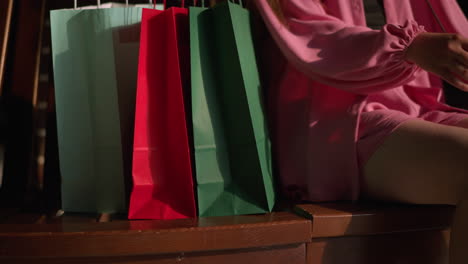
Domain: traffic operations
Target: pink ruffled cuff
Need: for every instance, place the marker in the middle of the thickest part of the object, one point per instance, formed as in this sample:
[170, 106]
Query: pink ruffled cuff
[406, 34]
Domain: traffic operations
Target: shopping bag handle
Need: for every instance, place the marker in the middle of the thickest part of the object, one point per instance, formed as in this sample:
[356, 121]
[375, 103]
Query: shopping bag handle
[75, 3]
[203, 2]
[149, 1]
[165, 6]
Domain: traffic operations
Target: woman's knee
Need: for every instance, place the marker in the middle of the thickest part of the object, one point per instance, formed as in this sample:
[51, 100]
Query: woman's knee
[420, 162]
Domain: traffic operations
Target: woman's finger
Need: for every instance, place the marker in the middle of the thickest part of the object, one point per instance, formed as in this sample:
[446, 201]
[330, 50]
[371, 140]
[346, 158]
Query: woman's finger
[461, 71]
[453, 80]
[462, 57]
[464, 43]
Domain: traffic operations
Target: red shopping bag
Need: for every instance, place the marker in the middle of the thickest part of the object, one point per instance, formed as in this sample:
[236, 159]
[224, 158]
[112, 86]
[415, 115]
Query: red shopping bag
[162, 171]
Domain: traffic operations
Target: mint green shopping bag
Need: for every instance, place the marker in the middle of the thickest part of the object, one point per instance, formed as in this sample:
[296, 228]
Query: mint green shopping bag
[95, 59]
[232, 146]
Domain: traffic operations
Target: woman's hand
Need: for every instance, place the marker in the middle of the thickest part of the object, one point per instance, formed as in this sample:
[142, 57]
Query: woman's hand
[443, 54]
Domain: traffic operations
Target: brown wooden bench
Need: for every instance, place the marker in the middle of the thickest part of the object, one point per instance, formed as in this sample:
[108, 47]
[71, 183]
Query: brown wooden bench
[313, 234]
[377, 233]
[272, 238]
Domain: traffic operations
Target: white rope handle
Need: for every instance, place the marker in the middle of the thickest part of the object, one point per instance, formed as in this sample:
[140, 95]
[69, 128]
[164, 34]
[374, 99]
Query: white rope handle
[75, 3]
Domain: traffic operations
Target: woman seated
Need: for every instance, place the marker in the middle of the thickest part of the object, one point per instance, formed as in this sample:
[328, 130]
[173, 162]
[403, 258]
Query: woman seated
[359, 112]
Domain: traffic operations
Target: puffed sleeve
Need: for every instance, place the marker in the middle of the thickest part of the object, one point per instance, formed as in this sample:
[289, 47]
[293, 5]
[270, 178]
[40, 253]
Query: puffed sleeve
[348, 57]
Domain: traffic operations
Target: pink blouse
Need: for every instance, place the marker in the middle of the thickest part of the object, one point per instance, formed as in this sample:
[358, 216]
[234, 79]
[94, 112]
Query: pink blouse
[330, 69]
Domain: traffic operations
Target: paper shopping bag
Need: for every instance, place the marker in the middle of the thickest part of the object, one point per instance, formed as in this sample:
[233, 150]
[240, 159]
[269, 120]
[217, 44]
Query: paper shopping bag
[232, 146]
[95, 59]
[162, 170]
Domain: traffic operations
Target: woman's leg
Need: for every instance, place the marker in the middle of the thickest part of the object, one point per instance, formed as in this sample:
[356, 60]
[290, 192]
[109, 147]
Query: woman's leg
[425, 163]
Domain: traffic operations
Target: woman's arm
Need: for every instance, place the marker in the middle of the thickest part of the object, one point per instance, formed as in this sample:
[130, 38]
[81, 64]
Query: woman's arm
[348, 57]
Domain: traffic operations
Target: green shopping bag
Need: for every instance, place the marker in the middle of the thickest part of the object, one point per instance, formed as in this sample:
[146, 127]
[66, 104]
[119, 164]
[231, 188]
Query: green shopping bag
[232, 147]
[95, 59]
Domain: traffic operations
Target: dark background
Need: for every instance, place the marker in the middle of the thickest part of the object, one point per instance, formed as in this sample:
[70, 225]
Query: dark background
[454, 96]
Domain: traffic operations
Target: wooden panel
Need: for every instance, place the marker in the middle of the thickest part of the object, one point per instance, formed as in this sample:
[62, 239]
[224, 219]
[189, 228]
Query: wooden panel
[291, 254]
[419, 247]
[69, 239]
[346, 219]
[19, 187]
[6, 10]
[26, 51]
